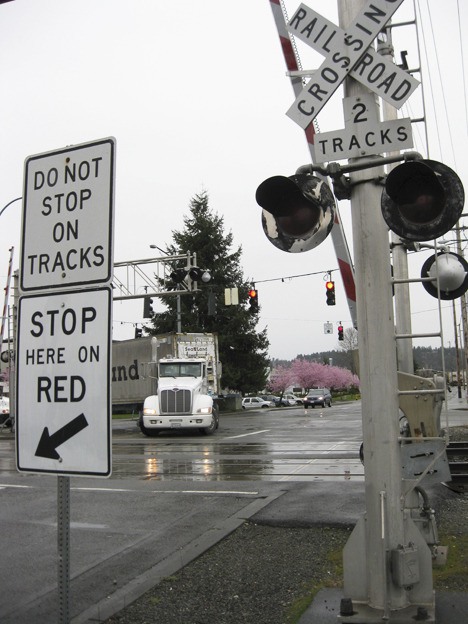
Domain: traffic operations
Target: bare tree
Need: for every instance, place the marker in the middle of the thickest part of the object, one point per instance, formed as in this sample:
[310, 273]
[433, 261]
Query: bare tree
[350, 345]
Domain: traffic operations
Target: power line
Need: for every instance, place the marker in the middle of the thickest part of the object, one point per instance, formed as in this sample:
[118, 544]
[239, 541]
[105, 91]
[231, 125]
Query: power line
[288, 277]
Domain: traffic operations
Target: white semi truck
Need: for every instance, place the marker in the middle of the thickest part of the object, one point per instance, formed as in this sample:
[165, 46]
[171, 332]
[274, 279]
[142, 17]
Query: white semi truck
[188, 379]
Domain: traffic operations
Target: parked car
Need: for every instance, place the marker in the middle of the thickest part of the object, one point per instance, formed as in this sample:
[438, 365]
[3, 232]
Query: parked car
[4, 409]
[290, 399]
[256, 402]
[318, 396]
[270, 397]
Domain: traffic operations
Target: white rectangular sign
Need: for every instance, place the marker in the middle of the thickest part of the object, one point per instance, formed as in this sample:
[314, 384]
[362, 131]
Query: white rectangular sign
[360, 140]
[343, 49]
[67, 229]
[63, 419]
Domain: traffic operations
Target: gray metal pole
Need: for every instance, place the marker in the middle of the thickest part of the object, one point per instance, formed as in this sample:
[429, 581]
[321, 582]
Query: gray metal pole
[399, 256]
[63, 548]
[383, 528]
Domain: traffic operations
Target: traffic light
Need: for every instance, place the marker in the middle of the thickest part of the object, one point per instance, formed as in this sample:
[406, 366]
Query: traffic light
[199, 275]
[138, 332]
[330, 287]
[148, 311]
[253, 300]
[340, 332]
[178, 275]
[211, 304]
[452, 271]
[422, 200]
[298, 211]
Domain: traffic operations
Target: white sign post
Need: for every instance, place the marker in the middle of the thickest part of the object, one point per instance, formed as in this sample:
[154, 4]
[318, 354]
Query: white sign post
[67, 217]
[63, 387]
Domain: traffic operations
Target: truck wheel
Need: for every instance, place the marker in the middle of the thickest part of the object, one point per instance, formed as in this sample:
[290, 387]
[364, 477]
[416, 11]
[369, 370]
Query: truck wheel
[213, 426]
[151, 433]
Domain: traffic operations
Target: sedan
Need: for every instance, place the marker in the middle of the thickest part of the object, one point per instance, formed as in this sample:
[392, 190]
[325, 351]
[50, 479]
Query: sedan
[290, 399]
[256, 402]
[318, 396]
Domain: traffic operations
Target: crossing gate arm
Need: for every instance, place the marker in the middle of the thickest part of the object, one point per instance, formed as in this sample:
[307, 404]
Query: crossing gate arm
[291, 58]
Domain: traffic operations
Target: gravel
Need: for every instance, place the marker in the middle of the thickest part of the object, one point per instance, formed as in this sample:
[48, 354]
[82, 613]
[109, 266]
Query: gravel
[262, 574]
[253, 575]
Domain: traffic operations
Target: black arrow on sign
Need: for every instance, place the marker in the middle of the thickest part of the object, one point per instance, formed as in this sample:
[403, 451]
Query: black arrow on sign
[48, 443]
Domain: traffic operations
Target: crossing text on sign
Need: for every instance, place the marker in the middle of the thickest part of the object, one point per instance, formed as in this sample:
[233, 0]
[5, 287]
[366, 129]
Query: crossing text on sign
[347, 53]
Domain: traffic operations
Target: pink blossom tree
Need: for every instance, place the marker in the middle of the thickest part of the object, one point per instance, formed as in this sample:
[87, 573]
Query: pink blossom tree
[280, 379]
[314, 375]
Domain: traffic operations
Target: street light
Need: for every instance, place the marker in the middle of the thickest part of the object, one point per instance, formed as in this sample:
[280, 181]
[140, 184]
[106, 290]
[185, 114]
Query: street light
[9, 204]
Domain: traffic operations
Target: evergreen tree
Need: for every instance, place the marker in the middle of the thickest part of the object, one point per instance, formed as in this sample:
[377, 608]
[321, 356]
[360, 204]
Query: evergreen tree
[242, 349]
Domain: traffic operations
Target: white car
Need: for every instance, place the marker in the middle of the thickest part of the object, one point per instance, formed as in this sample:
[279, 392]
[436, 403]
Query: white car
[256, 402]
[290, 399]
[4, 409]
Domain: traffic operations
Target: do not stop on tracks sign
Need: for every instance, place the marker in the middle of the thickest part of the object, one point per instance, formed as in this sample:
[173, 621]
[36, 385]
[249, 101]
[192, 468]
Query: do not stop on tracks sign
[67, 217]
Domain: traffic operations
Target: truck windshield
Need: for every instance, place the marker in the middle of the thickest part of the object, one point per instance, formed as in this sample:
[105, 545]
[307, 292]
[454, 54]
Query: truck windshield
[180, 369]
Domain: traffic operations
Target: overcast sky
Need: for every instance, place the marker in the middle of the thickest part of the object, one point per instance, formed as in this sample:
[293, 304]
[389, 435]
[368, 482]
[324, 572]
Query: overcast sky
[195, 94]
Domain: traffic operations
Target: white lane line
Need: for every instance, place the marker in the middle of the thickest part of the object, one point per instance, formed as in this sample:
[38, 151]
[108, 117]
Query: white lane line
[203, 492]
[244, 435]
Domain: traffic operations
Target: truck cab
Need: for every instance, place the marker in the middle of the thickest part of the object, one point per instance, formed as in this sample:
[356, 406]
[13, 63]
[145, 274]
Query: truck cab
[185, 398]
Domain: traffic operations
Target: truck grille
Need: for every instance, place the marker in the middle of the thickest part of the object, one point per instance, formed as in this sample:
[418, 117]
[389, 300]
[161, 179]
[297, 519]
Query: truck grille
[176, 402]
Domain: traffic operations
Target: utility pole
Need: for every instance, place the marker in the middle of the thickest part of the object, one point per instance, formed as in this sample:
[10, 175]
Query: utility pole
[387, 560]
[384, 532]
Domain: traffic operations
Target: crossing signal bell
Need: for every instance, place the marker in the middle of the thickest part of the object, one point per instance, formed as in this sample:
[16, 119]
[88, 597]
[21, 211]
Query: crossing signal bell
[330, 286]
[253, 299]
[449, 273]
[422, 200]
[340, 332]
[298, 211]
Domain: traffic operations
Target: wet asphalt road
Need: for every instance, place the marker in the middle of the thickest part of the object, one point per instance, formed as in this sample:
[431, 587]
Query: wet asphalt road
[279, 444]
[169, 499]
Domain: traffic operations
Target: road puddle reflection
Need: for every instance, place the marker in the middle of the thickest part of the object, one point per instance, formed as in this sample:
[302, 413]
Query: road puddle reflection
[242, 461]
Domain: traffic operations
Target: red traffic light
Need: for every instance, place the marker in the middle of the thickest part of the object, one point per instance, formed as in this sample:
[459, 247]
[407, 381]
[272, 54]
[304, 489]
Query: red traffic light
[253, 299]
[340, 332]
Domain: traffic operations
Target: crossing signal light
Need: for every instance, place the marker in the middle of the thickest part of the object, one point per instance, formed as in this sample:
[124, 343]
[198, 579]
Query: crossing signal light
[253, 299]
[330, 287]
[298, 211]
[422, 200]
[148, 308]
[340, 332]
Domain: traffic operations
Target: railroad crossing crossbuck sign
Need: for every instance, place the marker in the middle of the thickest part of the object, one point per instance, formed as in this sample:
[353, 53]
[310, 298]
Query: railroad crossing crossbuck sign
[347, 53]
